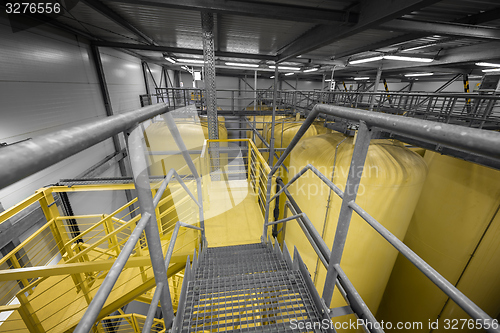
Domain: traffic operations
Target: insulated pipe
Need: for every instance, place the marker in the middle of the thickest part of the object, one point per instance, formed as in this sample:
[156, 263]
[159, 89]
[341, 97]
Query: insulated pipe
[26, 158]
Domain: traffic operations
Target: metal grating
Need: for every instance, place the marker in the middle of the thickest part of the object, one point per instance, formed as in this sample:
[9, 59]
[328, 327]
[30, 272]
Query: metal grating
[249, 303]
[247, 288]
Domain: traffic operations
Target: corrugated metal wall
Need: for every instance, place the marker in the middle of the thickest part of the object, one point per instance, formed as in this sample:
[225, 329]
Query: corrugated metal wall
[47, 82]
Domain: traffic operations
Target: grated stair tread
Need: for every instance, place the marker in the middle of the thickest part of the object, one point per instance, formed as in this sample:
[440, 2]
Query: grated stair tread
[246, 288]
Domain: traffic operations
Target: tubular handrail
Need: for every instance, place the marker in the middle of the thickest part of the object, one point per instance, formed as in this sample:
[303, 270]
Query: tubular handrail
[156, 297]
[172, 173]
[474, 140]
[95, 306]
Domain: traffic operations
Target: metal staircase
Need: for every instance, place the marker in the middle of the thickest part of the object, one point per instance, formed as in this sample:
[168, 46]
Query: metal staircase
[248, 288]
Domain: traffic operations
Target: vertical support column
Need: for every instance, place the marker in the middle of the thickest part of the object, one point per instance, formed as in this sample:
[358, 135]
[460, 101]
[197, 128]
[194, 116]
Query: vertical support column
[143, 188]
[255, 91]
[109, 112]
[375, 86]
[351, 190]
[273, 120]
[207, 26]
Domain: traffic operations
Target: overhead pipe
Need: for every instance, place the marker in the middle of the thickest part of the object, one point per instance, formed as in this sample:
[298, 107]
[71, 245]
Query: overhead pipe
[29, 157]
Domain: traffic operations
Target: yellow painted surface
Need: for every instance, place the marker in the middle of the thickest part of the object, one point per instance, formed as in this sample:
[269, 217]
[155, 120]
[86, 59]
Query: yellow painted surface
[390, 187]
[233, 217]
[193, 132]
[456, 216]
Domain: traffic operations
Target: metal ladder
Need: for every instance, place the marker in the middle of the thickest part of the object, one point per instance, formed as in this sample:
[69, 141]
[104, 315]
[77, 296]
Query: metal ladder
[248, 288]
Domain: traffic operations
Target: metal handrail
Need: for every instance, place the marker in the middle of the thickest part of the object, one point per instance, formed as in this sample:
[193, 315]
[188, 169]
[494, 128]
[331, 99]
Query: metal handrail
[478, 141]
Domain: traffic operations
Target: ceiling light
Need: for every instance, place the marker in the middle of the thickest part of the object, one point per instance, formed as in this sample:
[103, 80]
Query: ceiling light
[241, 65]
[419, 74]
[310, 70]
[362, 78]
[192, 61]
[360, 61]
[287, 68]
[272, 77]
[328, 80]
[169, 59]
[491, 70]
[487, 64]
[404, 58]
[419, 47]
[288, 74]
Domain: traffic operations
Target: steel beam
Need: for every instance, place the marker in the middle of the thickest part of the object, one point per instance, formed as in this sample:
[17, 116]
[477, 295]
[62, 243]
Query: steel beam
[443, 28]
[479, 18]
[373, 13]
[113, 16]
[256, 9]
[144, 47]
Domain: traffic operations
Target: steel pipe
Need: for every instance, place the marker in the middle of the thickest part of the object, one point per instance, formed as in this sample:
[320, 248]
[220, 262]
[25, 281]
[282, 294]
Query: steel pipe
[95, 306]
[148, 323]
[164, 184]
[26, 158]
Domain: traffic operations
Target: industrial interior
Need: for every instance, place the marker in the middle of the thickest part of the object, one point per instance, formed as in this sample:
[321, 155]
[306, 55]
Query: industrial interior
[250, 166]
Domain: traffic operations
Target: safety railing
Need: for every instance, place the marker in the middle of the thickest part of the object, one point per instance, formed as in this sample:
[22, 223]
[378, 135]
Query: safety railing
[128, 323]
[39, 297]
[238, 159]
[466, 109]
[91, 247]
[481, 142]
[137, 150]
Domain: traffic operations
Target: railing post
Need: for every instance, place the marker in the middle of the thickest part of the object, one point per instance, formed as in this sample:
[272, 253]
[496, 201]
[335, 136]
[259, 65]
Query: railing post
[142, 185]
[351, 189]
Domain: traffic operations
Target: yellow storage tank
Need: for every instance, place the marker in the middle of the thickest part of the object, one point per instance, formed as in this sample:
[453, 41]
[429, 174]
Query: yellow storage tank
[455, 228]
[390, 187]
[260, 123]
[193, 132]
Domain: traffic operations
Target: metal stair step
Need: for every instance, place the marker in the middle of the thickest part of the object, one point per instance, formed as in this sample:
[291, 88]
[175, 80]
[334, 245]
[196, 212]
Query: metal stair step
[260, 302]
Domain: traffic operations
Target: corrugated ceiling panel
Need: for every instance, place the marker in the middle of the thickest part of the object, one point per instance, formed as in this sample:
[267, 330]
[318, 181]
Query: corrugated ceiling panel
[84, 18]
[449, 10]
[258, 35]
[167, 26]
[362, 39]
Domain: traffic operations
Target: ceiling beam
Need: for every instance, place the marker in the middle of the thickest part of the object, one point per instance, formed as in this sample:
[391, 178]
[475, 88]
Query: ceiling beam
[442, 28]
[372, 13]
[169, 49]
[479, 18]
[256, 9]
[113, 16]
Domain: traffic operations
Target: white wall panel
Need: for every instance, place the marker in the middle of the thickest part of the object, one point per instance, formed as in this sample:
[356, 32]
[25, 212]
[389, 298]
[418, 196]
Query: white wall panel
[124, 78]
[47, 82]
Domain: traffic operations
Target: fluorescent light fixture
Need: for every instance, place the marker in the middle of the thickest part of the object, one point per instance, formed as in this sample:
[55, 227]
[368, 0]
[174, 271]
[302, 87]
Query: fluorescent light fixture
[310, 70]
[362, 78]
[272, 77]
[287, 68]
[241, 65]
[419, 74]
[288, 74]
[404, 58]
[192, 61]
[360, 61]
[418, 47]
[487, 64]
[491, 70]
[328, 80]
[169, 59]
